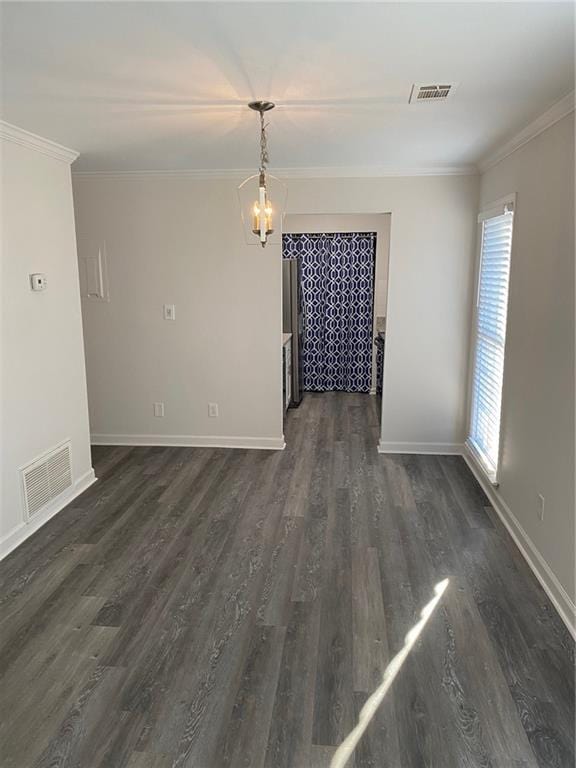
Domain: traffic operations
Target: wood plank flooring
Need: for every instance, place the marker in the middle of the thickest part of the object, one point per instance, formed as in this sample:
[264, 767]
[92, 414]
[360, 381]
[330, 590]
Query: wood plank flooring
[212, 608]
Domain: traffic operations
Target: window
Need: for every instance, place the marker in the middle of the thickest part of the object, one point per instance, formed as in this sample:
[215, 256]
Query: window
[490, 335]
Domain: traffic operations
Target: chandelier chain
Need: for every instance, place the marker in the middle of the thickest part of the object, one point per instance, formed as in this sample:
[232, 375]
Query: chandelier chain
[264, 159]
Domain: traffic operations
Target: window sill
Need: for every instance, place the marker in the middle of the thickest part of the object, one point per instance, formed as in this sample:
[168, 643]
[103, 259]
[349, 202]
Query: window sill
[490, 475]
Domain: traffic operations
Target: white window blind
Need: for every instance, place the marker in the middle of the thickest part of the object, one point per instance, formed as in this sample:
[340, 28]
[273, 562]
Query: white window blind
[490, 338]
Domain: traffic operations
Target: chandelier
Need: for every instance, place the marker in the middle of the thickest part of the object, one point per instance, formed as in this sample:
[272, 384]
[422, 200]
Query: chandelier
[255, 199]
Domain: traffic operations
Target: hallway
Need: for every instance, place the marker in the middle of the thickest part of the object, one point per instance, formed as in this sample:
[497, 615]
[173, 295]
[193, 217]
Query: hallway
[212, 607]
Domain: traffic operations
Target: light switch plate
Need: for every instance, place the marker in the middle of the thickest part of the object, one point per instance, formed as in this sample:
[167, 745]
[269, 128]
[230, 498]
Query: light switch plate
[169, 312]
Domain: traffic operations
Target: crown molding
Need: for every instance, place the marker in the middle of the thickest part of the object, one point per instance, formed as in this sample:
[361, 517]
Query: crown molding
[199, 174]
[556, 112]
[360, 172]
[37, 143]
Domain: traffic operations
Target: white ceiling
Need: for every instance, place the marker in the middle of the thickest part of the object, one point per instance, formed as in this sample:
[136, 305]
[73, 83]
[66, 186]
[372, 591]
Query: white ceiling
[159, 85]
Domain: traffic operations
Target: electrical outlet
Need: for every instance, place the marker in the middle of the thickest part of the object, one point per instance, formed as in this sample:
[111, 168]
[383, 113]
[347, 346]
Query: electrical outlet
[159, 410]
[38, 282]
[169, 312]
[213, 410]
[542, 501]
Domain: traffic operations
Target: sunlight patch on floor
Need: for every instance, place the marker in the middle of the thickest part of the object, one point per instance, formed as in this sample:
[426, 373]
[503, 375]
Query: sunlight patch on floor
[345, 750]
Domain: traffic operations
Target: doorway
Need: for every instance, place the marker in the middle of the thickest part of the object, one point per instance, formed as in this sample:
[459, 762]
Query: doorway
[295, 227]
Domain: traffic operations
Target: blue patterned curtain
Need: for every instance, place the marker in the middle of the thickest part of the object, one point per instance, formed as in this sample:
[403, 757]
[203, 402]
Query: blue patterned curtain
[337, 280]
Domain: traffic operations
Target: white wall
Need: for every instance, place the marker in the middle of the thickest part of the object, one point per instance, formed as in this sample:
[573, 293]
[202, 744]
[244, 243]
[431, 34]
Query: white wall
[432, 242]
[378, 223]
[177, 239]
[43, 378]
[538, 395]
[180, 241]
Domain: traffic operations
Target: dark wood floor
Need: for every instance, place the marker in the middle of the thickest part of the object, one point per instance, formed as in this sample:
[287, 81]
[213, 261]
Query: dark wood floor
[210, 607]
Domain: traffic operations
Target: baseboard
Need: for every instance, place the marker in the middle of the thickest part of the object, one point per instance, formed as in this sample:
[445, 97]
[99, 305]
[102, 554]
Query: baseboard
[192, 441]
[443, 449]
[548, 580]
[19, 534]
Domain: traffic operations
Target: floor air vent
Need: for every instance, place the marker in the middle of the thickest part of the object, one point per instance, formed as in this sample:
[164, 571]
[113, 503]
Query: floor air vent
[46, 478]
[421, 93]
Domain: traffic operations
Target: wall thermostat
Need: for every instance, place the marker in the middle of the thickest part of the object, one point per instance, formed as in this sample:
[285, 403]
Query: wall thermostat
[38, 282]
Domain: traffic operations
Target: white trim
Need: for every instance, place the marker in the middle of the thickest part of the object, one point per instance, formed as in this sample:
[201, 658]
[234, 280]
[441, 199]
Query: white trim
[540, 568]
[556, 112]
[237, 174]
[441, 449]
[192, 441]
[19, 534]
[37, 143]
[498, 207]
[481, 463]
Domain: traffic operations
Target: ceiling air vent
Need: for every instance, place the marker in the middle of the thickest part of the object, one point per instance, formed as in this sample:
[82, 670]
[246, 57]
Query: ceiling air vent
[46, 478]
[422, 93]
